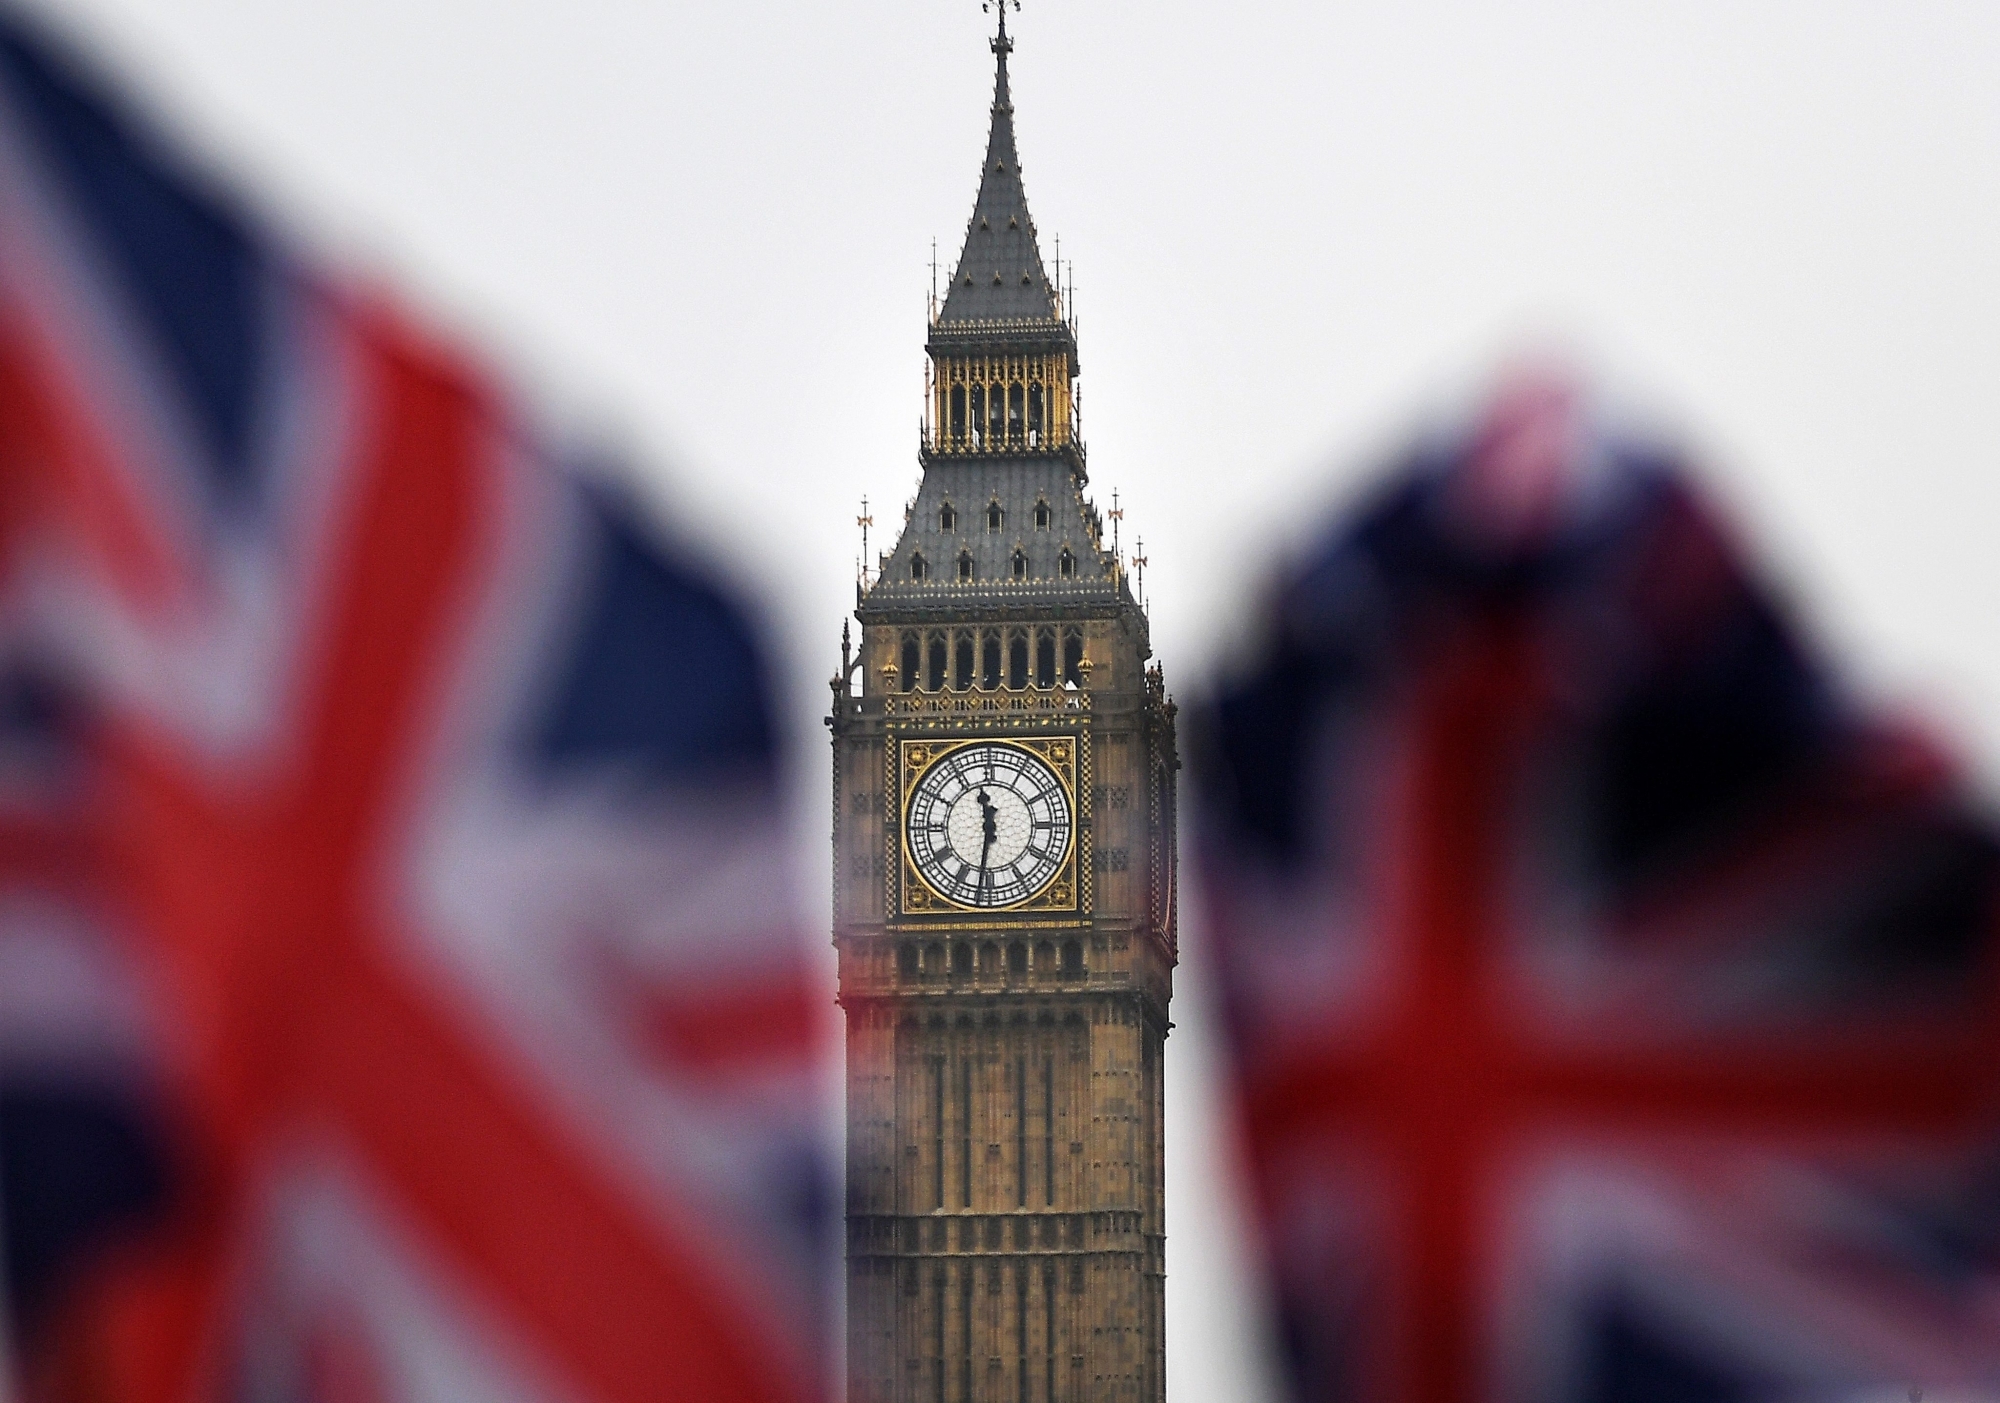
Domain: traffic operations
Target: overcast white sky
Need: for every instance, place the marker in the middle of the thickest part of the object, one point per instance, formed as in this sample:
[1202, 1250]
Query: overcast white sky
[704, 230]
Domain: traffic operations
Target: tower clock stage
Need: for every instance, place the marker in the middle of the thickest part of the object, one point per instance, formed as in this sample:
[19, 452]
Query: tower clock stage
[987, 824]
[1004, 871]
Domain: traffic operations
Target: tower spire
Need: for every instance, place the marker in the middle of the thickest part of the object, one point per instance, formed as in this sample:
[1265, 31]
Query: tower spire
[1002, 46]
[1000, 276]
[1002, 352]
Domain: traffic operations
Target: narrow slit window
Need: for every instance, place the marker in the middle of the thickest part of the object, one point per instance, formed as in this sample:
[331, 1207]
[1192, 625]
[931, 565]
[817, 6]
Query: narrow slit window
[1073, 658]
[978, 398]
[1015, 415]
[1017, 661]
[962, 663]
[958, 412]
[935, 681]
[1049, 1328]
[937, 1145]
[989, 664]
[1025, 1389]
[937, 1290]
[1020, 1131]
[1034, 415]
[965, 1331]
[913, 662]
[996, 410]
[1048, 1136]
[1045, 660]
[965, 1133]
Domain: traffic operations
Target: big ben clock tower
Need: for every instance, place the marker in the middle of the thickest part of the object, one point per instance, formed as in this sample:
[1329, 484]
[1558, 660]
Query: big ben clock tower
[1004, 870]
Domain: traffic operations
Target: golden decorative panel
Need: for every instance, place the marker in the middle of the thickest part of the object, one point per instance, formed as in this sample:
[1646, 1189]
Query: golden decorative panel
[926, 885]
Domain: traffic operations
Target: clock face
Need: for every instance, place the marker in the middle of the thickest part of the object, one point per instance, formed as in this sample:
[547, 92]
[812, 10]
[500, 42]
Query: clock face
[988, 825]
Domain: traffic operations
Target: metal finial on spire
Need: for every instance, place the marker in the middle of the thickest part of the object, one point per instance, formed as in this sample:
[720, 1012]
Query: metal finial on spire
[1001, 43]
[1001, 46]
[864, 521]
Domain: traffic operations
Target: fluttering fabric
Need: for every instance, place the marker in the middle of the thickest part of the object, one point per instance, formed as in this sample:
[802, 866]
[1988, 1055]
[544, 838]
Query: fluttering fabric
[400, 991]
[1612, 999]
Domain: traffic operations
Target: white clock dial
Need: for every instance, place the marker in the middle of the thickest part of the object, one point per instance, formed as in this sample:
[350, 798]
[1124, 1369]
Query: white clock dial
[988, 825]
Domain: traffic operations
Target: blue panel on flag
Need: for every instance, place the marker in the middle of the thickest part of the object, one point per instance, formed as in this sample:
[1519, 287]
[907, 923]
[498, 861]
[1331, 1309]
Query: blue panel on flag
[1633, 1362]
[665, 680]
[77, 1168]
[184, 259]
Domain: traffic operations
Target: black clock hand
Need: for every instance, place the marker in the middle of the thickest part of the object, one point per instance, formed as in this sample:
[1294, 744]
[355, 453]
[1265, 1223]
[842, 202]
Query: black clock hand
[989, 829]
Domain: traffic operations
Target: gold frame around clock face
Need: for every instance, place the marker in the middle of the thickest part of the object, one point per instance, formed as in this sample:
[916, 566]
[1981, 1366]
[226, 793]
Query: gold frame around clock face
[921, 758]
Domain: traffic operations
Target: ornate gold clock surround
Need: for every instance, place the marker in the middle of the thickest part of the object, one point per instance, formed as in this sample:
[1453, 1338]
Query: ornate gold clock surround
[1066, 753]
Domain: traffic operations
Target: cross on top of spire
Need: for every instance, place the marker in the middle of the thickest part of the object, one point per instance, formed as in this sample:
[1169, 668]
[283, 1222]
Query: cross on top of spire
[1001, 43]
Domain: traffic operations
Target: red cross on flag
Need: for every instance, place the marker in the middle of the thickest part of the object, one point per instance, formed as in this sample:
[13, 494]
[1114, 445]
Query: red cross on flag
[401, 996]
[1614, 1007]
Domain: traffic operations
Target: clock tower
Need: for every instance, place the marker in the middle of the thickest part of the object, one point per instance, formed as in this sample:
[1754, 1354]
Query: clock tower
[1004, 873]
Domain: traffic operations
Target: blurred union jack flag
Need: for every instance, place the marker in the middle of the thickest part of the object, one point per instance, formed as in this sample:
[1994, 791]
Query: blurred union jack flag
[1613, 1002]
[400, 991]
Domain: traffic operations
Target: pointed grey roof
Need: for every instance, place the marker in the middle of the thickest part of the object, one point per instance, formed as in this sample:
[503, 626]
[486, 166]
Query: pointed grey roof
[1000, 277]
[1017, 484]
[982, 508]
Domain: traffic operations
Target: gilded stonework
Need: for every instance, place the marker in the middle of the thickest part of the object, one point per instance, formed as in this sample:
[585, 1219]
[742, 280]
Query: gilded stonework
[1005, 1195]
[917, 758]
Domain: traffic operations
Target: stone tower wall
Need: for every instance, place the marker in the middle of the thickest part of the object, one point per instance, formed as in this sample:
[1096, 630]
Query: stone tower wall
[1005, 1184]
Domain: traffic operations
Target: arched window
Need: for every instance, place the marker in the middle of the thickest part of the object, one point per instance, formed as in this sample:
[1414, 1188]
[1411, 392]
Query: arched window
[913, 662]
[978, 397]
[958, 412]
[1014, 413]
[1042, 515]
[965, 565]
[1034, 415]
[996, 410]
[989, 664]
[1020, 565]
[935, 682]
[918, 569]
[995, 517]
[1073, 657]
[1017, 660]
[947, 517]
[1066, 564]
[962, 664]
[1045, 659]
